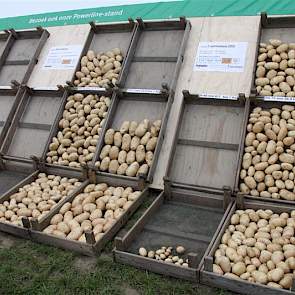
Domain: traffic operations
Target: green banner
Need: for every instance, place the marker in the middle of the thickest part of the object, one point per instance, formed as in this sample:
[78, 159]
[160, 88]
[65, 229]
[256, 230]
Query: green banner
[149, 11]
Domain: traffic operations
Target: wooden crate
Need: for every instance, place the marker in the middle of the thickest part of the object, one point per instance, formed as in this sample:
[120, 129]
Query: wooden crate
[267, 103]
[15, 175]
[91, 247]
[19, 53]
[197, 190]
[273, 27]
[59, 114]
[155, 55]
[31, 125]
[136, 106]
[9, 101]
[105, 37]
[209, 278]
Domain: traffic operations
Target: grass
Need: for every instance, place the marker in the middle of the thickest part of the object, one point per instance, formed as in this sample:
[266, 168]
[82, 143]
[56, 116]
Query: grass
[30, 268]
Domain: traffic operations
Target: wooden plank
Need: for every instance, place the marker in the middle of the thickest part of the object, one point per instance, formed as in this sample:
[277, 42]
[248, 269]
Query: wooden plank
[59, 36]
[15, 230]
[209, 144]
[239, 286]
[209, 29]
[155, 266]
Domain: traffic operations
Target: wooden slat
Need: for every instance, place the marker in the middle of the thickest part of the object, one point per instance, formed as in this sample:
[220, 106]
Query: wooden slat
[156, 266]
[209, 144]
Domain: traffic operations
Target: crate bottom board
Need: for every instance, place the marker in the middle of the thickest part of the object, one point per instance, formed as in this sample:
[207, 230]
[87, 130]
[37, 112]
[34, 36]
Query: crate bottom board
[178, 223]
[9, 179]
[239, 286]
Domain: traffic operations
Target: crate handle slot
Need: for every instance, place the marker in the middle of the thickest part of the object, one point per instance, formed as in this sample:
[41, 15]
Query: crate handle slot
[90, 238]
[26, 222]
[119, 245]
[208, 263]
[192, 260]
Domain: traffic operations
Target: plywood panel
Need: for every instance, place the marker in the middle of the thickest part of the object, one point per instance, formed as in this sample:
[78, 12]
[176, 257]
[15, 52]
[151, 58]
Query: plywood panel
[209, 29]
[149, 74]
[284, 34]
[9, 179]
[41, 110]
[9, 73]
[204, 166]
[23, 49]
[140, 110]
[6, 103]
[28, 142]
[103, 42]
[159, 43]
[59, 36]
[212, 123]
[226, 29]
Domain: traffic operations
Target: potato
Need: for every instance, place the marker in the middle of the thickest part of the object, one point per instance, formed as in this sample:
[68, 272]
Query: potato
[151, 144]
[57, 218]
[75, 233]
[109, 136]
[126, 141]
[124, 127]
[132, 169]
[63, 227]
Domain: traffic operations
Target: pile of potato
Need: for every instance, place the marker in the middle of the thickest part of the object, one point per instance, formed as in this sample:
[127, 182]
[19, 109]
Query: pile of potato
[275, 73]
[80, 126]
[166, 254]
[129, 151]
[258, 246]
[97, 209]
[268, 162]
[37, 198]
[100, 70]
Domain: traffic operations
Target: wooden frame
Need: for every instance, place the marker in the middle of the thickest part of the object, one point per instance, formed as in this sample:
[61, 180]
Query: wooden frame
[250, 104]
[28, 116]
[143, 103]
[91, 247]
[55, 126]
[145, 52]
[12, 38]
[104, 31]
[282, 24]
[207, 276]
[124, 251]
[24, 231]
[217, 137]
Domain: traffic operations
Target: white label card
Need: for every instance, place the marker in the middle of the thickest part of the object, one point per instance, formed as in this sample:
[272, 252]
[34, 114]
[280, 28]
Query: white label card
[63, 57]
[221, 57]
[150, 91]
[217, 96]
[279, 98]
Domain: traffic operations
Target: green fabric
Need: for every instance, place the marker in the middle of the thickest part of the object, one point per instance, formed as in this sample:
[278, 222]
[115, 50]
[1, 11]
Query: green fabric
[163, 10]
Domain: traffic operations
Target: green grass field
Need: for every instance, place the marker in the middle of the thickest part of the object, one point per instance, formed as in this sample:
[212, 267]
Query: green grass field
[30, 268]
